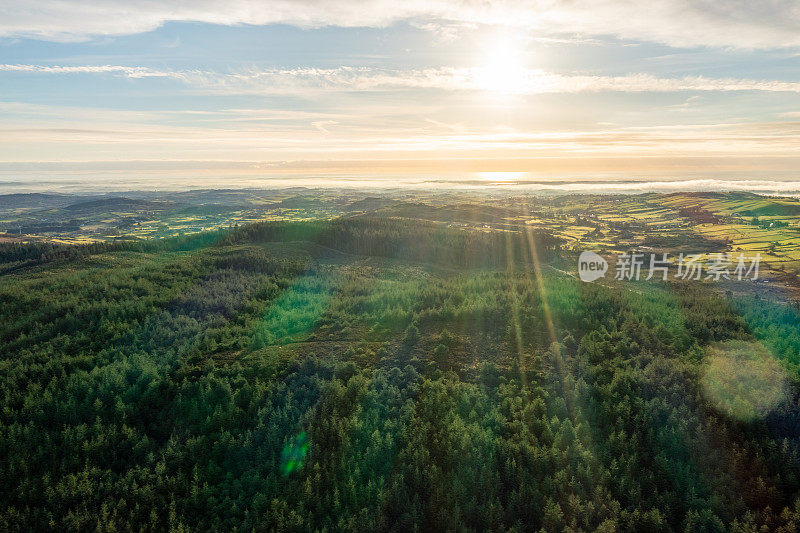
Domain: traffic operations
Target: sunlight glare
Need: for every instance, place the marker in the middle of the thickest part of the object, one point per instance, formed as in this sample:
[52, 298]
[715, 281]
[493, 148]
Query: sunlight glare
[503, 69]
[501, 177]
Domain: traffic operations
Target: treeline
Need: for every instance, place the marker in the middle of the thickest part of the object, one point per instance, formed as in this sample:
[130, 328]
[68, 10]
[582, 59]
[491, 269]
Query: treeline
[407, 239]
[15, 255]
[412, 240]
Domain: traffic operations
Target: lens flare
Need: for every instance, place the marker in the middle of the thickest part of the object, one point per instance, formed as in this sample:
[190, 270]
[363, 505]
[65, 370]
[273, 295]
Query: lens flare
[294, 454]
[743, 380]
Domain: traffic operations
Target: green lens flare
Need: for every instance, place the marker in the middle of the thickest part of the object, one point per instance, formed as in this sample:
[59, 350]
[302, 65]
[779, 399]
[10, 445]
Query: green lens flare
[294, 454]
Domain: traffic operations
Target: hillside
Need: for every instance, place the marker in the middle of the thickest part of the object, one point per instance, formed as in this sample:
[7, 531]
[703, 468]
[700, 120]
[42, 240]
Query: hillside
[373, 374]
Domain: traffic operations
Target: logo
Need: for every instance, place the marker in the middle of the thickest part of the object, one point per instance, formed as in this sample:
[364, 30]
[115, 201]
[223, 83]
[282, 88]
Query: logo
[591, 266]
[635, 266]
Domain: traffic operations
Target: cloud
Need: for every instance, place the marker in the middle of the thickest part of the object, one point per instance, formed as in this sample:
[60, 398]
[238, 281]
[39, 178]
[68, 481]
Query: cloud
[321, 125]
[130, 72]
[354, 79]
[681, 23]
[375, 136]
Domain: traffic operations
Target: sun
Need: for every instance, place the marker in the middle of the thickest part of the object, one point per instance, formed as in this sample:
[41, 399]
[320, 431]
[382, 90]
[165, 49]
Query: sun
[502, 70]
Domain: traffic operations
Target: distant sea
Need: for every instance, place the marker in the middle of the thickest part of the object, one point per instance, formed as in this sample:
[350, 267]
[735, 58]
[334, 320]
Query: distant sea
[71, 182]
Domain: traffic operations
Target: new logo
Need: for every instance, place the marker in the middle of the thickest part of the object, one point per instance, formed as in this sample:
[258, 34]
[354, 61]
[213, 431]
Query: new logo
[591, 266]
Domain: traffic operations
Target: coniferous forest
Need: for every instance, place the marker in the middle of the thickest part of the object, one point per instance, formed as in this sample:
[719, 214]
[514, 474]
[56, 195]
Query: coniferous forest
[385, 374]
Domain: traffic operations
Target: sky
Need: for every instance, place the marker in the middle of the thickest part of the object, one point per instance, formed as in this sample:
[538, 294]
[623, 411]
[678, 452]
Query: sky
[198, 93]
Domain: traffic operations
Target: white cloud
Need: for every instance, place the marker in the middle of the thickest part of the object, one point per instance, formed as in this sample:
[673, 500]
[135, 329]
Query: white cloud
[353, 79]
[716, 23]
[322, 125]
[130, 72]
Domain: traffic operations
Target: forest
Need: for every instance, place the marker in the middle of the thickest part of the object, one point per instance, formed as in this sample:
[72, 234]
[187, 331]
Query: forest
[380, 374]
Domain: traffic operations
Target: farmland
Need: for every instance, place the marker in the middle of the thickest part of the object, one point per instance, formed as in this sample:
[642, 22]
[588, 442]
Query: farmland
[704, 223]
